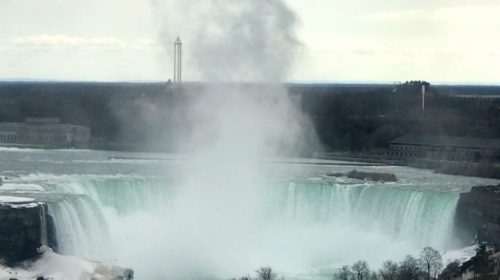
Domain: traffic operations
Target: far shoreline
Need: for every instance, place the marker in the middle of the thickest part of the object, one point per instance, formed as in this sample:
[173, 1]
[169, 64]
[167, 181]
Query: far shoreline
[489, 170]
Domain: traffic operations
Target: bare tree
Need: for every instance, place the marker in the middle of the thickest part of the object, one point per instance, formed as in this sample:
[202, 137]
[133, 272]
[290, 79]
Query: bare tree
[266, 273]
[409, 269]
[242, 278]
[345, 273]
[389, 270]
[451, 271]
[361, 270]
[431, 262]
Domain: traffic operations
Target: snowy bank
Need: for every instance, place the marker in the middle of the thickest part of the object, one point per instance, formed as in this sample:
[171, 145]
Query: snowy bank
[57, 267]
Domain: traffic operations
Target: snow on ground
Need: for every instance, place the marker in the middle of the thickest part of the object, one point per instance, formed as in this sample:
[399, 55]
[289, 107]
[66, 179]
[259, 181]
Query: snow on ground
[18, 202]
[461, 255]
[15, 199]
[57, 267]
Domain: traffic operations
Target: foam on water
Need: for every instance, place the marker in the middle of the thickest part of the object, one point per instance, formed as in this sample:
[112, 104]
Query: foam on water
[80, 227]
[422, 217]
[305, 228]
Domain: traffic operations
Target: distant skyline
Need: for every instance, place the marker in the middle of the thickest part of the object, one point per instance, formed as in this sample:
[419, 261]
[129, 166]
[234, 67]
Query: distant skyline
[441, 41]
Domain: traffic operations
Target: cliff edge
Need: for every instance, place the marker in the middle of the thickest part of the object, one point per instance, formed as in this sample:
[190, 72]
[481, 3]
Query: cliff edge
[26, 232]
[478, 215]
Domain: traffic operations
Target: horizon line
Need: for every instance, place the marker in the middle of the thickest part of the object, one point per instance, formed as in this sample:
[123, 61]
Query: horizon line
[319, 82]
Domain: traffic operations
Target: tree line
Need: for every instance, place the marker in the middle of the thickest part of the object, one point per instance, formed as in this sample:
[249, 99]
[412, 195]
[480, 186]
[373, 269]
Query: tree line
[427, 266]
[346, 117]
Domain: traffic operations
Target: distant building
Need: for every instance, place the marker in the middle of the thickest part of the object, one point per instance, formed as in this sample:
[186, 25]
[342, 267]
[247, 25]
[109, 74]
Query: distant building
[444, 147]
[44, 133]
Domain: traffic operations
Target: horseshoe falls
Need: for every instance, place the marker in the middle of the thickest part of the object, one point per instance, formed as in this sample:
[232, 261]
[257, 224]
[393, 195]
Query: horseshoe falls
[292, 217]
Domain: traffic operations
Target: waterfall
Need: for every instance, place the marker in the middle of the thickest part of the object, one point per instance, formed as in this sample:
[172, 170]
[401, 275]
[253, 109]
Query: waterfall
[307, 224]
[87, 205]
[422, 217]
[124, 194]
[43, 224]
[403, 213]
[291, 202]
[81, 227]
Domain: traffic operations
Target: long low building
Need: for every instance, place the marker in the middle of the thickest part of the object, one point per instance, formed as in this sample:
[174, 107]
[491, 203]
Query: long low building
[444, 147]
[44, 133]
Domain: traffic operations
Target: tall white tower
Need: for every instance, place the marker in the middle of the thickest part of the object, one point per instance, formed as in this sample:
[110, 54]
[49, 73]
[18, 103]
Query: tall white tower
[423, 97]
[178, 61]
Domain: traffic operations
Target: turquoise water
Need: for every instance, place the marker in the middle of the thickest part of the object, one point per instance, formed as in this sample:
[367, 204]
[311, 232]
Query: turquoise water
[170, 219]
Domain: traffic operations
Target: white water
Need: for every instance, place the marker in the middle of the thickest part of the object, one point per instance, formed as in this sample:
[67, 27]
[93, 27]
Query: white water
[221, 215]
[303, 226]
[80, 227]
[424, 218]
[309, 226]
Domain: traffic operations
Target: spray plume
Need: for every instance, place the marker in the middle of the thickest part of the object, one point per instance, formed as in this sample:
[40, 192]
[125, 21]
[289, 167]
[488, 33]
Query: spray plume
[239, 117]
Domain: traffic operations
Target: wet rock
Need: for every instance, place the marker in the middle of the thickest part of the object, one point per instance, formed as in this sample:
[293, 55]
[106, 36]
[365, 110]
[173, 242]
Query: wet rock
[25, 231]
[20, 228]
[478, 215]
[372, 176]
[336, 174]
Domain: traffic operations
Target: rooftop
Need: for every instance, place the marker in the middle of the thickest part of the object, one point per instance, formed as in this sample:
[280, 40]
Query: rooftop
[43, 120]
[441, 140]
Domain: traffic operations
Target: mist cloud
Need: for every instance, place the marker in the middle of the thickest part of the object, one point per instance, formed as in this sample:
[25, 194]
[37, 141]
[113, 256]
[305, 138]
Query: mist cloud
[229, 40]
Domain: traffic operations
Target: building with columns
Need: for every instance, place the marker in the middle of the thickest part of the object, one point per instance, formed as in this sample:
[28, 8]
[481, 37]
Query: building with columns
[44, 133]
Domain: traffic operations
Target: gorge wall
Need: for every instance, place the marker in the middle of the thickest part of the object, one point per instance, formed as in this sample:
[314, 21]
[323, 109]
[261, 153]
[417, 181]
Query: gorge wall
[478, 214]
[21, 229]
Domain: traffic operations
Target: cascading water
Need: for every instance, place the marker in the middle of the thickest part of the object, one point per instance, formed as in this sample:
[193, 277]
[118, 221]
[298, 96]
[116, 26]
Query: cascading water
[81, 228]
[124, 194]
[305, 222]
[220, 216]
[220, 221]
[422, 217]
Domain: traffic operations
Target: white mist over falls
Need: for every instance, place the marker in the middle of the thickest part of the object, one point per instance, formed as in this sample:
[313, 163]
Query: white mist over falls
[234, 203]
[185, 218]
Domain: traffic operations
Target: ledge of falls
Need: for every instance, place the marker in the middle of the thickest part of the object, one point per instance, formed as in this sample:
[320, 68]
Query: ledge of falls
[20, 228]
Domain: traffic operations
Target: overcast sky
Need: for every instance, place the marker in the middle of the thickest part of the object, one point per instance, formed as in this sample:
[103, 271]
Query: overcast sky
[454, 41]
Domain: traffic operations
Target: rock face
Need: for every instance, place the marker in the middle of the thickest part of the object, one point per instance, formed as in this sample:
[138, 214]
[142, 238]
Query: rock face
[27, 232]
[20, 228]
[478, 213]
